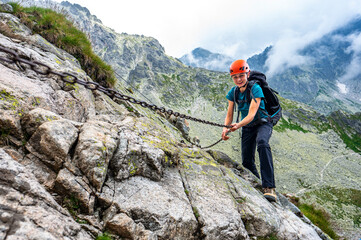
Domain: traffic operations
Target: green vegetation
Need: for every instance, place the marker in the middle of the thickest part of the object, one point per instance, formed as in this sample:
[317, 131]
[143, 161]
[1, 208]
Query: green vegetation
[283, 124]
[349, 136]
[12, 103]
[304, 115]
[271, 237]
[104, 236]
[319, 217]
[195, 211]
[338, 197]
[56, 29]
[344, 204]
[72, 204]
[4, 136]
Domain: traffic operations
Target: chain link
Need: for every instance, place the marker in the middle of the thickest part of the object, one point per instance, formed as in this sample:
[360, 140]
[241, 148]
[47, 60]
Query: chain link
[44, 69]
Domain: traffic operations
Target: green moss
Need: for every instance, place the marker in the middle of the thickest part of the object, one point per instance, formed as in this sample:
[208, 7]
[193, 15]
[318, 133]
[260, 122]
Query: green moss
[56, 29]
[132, 168]
[36, 101]
[195, 211]
[12, 104]
[240, 200]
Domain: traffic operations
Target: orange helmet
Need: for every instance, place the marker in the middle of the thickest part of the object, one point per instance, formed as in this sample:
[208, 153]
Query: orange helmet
[239, 66]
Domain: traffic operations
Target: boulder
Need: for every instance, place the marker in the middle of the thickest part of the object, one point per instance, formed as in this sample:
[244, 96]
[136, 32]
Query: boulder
[96, 144]
[27, 210]
[52, 142]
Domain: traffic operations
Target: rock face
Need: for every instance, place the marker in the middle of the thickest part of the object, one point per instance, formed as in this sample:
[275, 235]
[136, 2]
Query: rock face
[27, 210]
[74, 164]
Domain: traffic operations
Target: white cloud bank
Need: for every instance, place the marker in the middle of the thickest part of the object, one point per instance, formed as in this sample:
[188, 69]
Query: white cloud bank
[237, 28]
[354, 68]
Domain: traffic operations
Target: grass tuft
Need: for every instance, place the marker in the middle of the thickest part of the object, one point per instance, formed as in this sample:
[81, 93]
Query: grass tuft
[319, 217]
[56, 29]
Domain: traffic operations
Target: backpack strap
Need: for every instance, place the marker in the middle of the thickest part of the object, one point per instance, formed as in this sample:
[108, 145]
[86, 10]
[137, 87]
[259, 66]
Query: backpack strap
[250, 96]
[235, 106]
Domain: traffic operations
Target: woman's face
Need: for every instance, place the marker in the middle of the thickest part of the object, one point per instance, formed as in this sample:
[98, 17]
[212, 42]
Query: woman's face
[240, 79]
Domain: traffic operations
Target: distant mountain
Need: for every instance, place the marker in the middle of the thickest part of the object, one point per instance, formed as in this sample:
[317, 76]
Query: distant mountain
[203, 58]
[329, 81]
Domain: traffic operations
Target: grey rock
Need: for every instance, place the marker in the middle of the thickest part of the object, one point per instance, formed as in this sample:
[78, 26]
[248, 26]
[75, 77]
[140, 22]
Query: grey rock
[135, 157]
[181, 124]
[223, 159]
[96, 145]
[10, 128]
[161, 207]
[292, 227]
[73, 186]
[125, 227]
[33, 119]
[212, 203]
[27, 210]
[258, 215]
[45, 175]
[6, 7]
[53, 140]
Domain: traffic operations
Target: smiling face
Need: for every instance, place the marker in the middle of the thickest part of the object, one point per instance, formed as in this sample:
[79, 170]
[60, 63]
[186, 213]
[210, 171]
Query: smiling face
[240, 79]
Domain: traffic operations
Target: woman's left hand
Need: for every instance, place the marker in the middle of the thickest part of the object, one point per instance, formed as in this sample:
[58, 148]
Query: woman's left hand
[235, 126]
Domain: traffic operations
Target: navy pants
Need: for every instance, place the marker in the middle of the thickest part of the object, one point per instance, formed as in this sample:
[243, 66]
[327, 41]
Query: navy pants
[258, 136]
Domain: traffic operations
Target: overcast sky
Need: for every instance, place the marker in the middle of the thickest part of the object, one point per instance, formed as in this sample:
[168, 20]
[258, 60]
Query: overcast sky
[237, 28]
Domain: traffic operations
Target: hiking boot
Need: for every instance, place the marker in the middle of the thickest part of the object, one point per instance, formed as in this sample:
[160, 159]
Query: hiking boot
[270, 194]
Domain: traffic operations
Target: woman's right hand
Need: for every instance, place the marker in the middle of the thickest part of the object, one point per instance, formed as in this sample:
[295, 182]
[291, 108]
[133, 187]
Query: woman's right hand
[224, 134]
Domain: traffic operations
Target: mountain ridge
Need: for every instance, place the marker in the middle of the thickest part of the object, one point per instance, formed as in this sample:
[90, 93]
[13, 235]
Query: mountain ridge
[150, 70]
[75, 164]
[320, 82]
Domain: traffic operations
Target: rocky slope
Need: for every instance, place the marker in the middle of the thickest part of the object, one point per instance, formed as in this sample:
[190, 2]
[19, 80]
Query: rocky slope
[126, 172]
[200, 93]
[310, 157]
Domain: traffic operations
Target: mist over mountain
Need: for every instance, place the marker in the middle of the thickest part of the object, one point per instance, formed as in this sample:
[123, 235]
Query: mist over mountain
[327, 76]
[203, 58]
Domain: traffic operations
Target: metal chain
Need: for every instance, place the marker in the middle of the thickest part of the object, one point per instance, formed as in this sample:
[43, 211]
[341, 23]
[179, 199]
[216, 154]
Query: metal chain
[44, 69]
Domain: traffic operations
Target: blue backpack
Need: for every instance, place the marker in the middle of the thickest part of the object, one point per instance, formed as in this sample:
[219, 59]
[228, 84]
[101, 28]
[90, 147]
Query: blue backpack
[272, 104]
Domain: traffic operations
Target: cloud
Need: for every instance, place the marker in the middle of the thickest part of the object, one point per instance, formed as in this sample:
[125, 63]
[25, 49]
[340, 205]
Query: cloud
[237, 28]
[219, 63]
[353, 70]
[286, 51]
